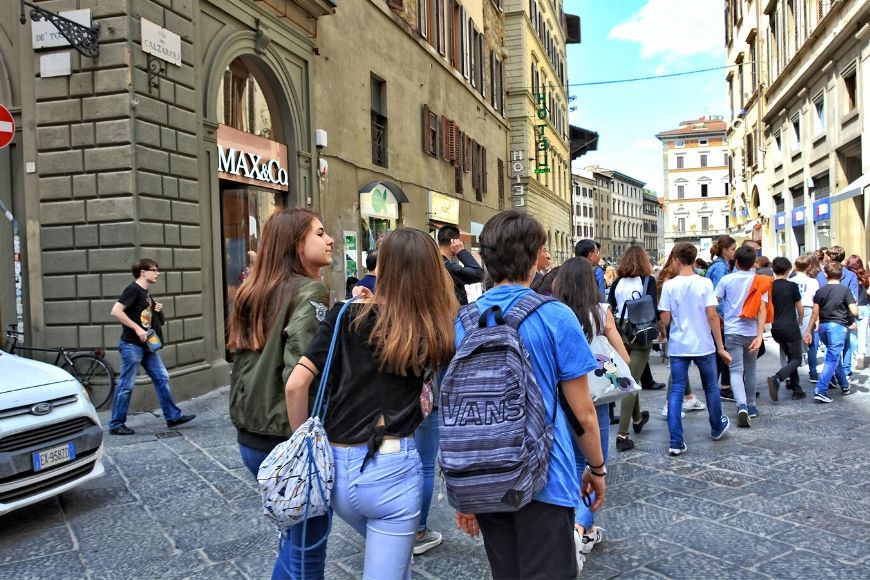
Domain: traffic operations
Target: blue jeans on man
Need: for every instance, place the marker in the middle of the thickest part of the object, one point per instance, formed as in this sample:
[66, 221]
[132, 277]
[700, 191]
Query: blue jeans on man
[679, 377]
[294, 545]
[742, 367]
[132, 356]
[834, 337]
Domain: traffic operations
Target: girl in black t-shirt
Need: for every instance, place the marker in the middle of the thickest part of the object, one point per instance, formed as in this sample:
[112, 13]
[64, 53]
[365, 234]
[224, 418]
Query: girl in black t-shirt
[385, 344]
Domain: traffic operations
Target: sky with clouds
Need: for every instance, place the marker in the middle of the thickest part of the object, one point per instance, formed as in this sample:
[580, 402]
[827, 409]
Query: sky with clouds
[624, 39]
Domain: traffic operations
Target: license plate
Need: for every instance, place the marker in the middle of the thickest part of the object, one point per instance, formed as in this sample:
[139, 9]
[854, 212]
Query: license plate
[53, 456]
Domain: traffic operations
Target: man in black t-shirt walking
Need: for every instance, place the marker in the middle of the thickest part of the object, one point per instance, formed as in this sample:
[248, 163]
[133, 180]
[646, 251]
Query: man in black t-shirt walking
[136, 311]
[834, 307]
[788, 314]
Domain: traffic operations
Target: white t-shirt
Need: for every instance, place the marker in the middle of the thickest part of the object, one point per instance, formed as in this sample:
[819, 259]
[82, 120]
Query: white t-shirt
[808, 287]
[687, 299]
[732, 291]
[625, 290]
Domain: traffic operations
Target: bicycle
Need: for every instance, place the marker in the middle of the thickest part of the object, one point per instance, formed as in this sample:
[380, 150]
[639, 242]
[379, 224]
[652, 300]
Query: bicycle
[87, 365]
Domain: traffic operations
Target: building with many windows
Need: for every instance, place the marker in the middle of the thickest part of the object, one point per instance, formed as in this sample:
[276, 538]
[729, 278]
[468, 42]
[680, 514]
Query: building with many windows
[653, 221]
[695, 158]
[536, 32]
[816, 125]
[425, 141]
[584, 206]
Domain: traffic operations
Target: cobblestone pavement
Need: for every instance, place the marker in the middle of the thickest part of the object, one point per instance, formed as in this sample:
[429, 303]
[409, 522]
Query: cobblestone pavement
[787, 498]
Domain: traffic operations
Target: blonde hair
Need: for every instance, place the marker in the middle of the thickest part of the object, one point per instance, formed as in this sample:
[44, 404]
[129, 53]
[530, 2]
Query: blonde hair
[610, 276]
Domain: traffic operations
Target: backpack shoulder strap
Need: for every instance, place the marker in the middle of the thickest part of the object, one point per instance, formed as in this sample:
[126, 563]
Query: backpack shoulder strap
[527, 304]
[469, 316]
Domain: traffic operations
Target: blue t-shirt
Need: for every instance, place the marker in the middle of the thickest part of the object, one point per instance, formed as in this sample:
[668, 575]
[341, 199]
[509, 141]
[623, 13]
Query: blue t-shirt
[599, 277]
[559, 352]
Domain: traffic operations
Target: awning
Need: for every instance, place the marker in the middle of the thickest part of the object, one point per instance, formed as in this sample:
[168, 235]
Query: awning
[582, 141]
[392, 187]
[854, 189]
[750, 225]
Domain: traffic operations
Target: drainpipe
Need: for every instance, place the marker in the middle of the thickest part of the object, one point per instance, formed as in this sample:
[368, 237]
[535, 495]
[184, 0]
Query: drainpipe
[16, 251]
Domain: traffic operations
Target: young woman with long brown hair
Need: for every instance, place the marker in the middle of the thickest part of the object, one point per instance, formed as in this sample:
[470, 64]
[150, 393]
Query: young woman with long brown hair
[275, 315]
[575, 286]
[386, 343]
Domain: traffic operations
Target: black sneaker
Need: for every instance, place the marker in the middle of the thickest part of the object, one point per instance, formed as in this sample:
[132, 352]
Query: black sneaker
[638, 427]
[624, 443]
[743, 417]
[180, 421]
[727, 394]
[847, 390]
[798, 393]
[655, 386]
[122, 430]
[822, 398]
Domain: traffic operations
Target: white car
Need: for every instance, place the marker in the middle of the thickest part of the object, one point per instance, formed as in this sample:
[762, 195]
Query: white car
[50, 436]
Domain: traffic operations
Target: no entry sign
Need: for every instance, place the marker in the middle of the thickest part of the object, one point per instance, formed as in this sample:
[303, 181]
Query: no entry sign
[7, 127]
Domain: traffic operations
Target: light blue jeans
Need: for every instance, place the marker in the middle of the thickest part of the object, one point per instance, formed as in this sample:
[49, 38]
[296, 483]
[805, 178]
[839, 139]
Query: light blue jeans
[381, 501]
[834, 337]
[426, 438]
[742, 368]
[294, 546]
[584, 515]
[131, 357]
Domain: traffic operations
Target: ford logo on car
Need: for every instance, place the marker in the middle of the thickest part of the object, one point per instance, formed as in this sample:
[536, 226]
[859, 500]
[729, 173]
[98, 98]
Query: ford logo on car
[41, 409]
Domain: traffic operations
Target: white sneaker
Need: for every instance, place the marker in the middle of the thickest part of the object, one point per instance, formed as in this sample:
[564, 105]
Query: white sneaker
[665, 412]
[578, 546]
[693, 404]
[589, 540]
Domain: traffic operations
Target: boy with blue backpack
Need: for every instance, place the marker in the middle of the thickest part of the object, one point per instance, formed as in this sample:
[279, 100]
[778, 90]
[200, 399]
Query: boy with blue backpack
[506, 444]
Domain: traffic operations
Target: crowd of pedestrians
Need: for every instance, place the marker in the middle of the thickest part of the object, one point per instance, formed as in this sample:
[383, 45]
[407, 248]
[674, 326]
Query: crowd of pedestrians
[401, 397]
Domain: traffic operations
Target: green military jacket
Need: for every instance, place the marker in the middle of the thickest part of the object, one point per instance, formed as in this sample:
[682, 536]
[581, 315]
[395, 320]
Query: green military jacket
[257, 404]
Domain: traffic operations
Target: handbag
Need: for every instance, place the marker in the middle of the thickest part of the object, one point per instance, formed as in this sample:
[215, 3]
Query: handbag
[612, 380]
[296, 478]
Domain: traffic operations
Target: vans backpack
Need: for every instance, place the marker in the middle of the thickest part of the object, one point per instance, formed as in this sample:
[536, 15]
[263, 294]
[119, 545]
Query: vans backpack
[495, 438]
[637, 321]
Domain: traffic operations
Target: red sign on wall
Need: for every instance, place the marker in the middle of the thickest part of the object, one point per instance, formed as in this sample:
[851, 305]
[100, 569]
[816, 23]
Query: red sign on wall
[7, 127]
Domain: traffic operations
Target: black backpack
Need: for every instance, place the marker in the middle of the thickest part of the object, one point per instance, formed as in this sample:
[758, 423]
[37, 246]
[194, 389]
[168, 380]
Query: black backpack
[637, 321]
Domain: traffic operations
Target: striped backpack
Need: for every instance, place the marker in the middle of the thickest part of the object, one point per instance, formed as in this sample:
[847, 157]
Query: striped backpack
[495, 437]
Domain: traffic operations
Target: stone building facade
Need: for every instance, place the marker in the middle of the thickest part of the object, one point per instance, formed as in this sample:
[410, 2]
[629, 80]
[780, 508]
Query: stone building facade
[131, 155]
[653, 242]
[537, 112]
[584, 206]
[419, 141]
[695, 158]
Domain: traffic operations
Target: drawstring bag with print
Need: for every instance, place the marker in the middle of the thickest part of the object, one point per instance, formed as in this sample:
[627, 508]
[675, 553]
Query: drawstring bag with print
[296, 478]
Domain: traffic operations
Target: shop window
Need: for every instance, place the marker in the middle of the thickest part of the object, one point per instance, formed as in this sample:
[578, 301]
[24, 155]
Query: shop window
[379, 121]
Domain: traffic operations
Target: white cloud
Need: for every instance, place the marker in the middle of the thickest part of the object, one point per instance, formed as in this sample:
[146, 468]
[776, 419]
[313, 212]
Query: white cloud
[675, 28]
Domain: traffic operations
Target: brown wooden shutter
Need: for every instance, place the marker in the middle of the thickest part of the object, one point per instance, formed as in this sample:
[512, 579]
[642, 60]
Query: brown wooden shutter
[457, 178]
[445, 139]
[483, 169]
[501, 184]
[457, 145]
[466, 150]
[427, 140]
[475, 168]
[228, 97]
[396, 4]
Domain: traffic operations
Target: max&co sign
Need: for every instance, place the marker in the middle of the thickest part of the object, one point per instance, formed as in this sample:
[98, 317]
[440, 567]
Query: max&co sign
[250, 159]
